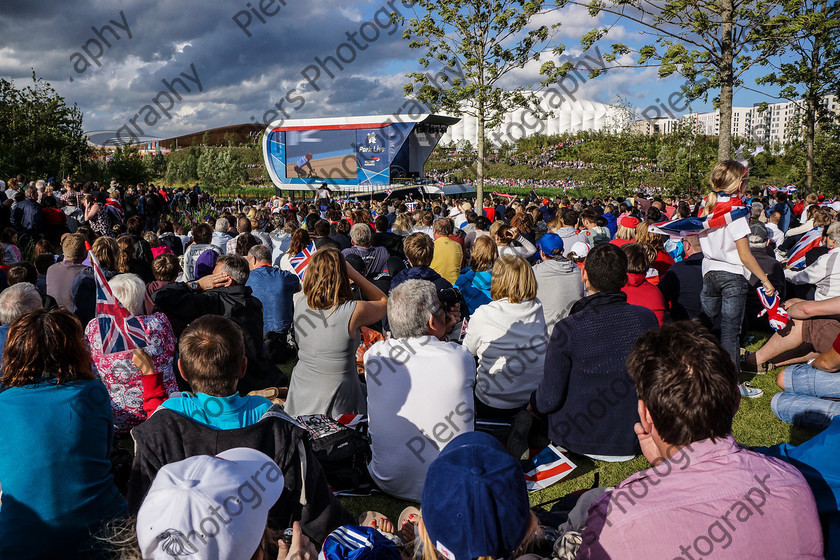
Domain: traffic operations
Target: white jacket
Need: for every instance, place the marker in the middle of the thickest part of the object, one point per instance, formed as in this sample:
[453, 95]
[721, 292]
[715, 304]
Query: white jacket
[824, 272]
[510, 341]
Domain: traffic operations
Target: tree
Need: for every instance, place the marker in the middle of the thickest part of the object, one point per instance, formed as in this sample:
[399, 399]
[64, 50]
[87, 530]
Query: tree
[711, 43]
[40, 135]
[221, 167]
[479, 42]
[182, 166]
[127, 166]
[814, 70]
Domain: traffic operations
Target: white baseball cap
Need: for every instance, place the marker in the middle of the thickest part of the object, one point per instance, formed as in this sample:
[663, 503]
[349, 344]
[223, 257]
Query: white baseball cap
[208, 507]
[580, 249]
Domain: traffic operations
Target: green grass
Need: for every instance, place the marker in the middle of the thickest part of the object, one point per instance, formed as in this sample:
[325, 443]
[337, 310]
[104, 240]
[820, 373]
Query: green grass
[754, 425]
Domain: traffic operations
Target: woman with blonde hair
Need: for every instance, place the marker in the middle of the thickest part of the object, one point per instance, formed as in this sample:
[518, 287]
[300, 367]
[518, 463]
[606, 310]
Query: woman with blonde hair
[663, 260]
[727, 261]
[474, 281]
[508, 337]
[327, 321]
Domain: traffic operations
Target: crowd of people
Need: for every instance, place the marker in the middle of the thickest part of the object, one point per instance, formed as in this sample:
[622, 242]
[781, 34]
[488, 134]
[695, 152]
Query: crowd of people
[456, 337]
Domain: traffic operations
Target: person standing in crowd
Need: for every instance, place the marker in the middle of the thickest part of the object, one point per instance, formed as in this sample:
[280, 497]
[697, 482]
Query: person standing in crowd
[727, 261]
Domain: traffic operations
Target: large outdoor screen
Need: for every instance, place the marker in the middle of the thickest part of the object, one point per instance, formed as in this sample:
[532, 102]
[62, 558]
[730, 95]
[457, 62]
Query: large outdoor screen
[321, 154]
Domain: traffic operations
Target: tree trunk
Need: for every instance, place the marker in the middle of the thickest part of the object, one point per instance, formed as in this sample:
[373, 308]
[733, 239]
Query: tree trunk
[810, 140]
[479, 184]
[726, 81]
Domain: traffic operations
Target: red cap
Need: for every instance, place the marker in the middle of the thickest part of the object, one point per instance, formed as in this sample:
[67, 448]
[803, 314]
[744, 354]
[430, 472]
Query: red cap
[629, 222]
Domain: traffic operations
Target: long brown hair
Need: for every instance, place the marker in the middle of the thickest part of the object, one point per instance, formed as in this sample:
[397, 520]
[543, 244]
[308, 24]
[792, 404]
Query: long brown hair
[326, 283]
[45, 344]
[299, 241]
[125, 244]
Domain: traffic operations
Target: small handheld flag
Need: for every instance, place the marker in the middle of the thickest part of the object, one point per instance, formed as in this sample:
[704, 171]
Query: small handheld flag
[300, 261]
[119, 330]
[776, 314]
[549, 467]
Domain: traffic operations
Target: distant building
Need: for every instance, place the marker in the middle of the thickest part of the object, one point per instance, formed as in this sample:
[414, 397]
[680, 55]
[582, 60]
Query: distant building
[778, 123]
[560, 115]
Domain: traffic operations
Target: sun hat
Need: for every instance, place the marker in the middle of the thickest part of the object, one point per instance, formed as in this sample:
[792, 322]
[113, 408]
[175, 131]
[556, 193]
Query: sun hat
[207, 507]
[474, 500]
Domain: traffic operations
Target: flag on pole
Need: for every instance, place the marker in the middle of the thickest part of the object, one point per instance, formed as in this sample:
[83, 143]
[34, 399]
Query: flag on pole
[796, 258]
[300, 261]
[549, 467]
[119, 330]
[726, 210]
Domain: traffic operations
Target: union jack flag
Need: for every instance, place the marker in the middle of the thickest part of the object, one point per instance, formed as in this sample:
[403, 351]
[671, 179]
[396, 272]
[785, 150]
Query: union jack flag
[119, 330]
[300, 261]
[796, 258]
[726, 210]
[389, 191]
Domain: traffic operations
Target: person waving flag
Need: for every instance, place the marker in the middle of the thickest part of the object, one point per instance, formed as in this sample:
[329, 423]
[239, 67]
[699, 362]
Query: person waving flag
[300, 261]
[119, 330]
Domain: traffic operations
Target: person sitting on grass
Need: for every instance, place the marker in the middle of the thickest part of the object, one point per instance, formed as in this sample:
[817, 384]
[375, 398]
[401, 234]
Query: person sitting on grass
[586, 395]
[416, 386]
[703, 489]
[56, 440]
[419, 253]
[215, 418]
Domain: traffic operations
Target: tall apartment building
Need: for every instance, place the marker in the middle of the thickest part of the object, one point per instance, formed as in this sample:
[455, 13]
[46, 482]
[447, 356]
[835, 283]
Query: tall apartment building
[778, 123]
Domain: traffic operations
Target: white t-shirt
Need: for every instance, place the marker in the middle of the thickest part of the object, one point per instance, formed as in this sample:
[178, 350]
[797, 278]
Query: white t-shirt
[420, 396]
[719, 252]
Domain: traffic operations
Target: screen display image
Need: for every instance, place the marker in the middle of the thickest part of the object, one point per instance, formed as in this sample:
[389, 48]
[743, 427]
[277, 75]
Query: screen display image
[321, 154]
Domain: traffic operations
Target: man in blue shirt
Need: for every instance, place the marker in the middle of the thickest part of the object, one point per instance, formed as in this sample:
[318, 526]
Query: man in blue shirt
[274, 288]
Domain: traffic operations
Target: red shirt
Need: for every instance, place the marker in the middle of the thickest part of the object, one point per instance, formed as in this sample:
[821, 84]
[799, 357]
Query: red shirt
[641, 292]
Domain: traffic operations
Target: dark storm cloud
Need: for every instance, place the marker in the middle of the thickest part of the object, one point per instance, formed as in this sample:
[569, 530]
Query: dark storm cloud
[240, 75]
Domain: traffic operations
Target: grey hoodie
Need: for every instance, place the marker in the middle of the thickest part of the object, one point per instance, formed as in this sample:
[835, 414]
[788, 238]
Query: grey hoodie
[559, 286]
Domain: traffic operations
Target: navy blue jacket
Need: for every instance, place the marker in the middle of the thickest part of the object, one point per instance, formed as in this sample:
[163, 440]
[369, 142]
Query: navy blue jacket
[681, 287]
[586, 392]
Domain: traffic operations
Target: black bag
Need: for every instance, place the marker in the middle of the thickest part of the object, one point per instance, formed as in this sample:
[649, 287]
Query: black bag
[344, 453]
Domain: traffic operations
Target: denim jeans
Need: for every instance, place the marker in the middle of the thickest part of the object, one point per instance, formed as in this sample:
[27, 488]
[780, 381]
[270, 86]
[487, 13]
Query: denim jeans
[725, 294]
[805, 401]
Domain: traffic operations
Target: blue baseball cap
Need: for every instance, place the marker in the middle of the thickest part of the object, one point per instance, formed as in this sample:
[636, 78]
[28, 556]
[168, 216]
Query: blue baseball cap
[551, 244]
[474, 500]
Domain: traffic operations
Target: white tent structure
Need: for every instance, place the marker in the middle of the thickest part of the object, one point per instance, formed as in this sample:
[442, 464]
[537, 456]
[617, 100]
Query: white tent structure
[561, 115]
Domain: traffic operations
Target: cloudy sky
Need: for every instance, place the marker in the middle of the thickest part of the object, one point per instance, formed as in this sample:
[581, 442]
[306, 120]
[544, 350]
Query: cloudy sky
[236, 62]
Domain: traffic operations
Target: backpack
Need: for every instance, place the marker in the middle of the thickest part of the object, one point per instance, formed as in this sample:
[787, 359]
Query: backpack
[344, 453]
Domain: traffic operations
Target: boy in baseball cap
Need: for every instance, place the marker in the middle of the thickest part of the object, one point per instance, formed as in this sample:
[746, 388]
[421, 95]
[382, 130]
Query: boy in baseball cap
[207, 507]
